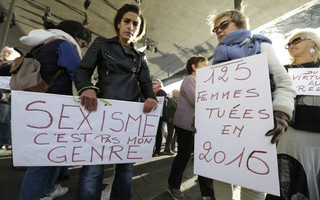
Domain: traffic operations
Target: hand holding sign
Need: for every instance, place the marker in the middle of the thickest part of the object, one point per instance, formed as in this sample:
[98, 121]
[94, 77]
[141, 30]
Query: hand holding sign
[281, 125]
[89, 99]
[149, 105]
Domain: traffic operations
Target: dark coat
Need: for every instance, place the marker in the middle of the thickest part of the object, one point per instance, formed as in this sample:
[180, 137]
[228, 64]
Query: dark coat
[171, 107]
[162, 93]
[121, 75]
[5, 69]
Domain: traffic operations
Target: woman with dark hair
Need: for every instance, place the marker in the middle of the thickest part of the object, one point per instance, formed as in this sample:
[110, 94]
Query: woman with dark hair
[73, 28]
[61, 53]
[231, 28]
[76, 30]
[123, 74]
[183, 122]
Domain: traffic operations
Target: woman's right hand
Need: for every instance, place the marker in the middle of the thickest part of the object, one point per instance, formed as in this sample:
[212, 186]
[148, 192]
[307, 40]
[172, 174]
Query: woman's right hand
[149, 105]
[89, 99]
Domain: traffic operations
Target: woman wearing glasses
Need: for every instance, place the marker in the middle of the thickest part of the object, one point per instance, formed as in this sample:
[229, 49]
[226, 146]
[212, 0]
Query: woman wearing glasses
[236, 41]
[299, 148]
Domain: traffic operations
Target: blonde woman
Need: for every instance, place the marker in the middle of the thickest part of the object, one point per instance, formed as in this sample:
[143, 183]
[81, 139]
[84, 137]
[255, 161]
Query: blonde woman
[299, 148]
[231, 29]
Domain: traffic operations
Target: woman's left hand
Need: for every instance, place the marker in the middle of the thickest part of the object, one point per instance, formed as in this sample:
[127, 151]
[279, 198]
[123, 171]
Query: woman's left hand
[280, 126]
[149, 105]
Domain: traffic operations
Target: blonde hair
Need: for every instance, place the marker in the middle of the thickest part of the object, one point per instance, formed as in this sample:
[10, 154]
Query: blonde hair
[13, 54]
[174, 91]
[158, 81]
[237, 16]
[311, 34]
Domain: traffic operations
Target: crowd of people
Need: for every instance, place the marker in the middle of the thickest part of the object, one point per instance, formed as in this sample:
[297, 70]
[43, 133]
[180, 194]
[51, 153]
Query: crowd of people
[123, 74]
[7, 55]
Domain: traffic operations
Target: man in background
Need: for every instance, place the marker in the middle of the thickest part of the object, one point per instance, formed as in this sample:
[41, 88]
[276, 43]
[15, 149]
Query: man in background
[171, 109]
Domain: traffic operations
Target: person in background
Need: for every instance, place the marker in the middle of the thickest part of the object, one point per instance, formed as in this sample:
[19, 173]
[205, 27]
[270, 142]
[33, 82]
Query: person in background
[231, 28]
[123, 74]
[13, 20]
[7, 55]
[86, 4]
[85, 21]
[183, 122]
[63, 52]
[157, 89]
[3, 17]
[47, 15]
[299, 149]
[171, 109]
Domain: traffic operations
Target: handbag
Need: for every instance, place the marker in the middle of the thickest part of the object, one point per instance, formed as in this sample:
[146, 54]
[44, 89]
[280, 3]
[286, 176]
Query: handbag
[306, 118]
[26, 71]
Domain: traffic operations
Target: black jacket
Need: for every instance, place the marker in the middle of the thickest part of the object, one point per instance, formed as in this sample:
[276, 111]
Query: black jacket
[171, 107]
[162, 93]
[121, 75]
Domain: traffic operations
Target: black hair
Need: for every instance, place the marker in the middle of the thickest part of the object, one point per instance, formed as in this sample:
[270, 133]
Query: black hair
[130, 8]
[194, 60]
[73, 28]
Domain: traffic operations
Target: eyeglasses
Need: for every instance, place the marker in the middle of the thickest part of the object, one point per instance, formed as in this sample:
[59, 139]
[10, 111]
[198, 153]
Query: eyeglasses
[295, 41]
[223, 26]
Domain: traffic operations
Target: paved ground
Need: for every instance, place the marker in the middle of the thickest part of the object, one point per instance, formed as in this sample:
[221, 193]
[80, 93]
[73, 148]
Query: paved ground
[149, 181]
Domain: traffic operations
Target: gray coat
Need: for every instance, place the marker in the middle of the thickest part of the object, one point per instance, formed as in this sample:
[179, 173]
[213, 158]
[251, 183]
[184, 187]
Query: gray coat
[183, 117]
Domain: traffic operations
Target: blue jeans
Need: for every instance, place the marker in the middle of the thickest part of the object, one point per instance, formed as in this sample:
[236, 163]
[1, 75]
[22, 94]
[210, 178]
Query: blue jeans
[91, 177]
[5, 127]
[38, 181]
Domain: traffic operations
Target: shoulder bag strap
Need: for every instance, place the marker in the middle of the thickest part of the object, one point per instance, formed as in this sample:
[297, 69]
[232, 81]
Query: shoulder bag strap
[44, 86]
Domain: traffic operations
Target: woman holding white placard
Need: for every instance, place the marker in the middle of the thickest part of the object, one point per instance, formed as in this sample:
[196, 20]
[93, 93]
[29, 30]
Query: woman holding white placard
[236, 41]
[299, 149]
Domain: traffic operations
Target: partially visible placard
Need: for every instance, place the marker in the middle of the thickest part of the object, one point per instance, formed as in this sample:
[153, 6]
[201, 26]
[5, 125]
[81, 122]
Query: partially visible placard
[5, 82]
[306, 81]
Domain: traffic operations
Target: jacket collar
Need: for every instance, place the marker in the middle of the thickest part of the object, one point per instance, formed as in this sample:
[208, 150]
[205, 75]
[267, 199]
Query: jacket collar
[116, 40]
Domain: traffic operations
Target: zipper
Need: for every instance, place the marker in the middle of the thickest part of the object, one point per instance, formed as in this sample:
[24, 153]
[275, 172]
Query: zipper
[106, 54]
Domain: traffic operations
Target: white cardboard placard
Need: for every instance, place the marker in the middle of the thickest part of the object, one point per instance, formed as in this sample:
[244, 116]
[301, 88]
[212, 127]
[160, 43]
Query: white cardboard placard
[5, 82]
[52, 130]
[233, 114]
[305, 81]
